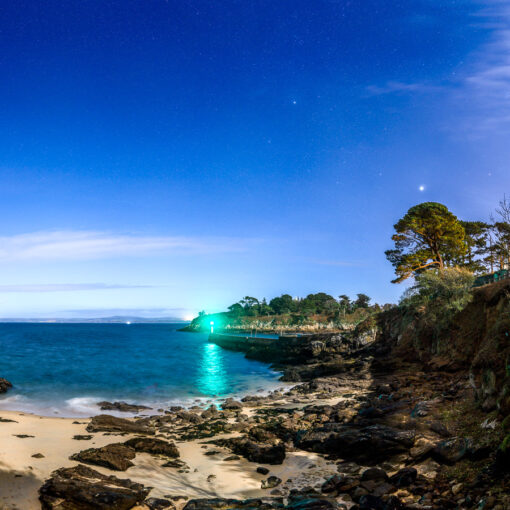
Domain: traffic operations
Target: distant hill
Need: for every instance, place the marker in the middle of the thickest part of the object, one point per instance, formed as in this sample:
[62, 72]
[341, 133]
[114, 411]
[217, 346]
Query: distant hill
[102, 320]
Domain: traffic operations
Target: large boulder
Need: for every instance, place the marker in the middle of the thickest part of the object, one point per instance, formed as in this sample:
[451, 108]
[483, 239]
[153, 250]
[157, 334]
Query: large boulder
[112, 456]
[452, 450]
[83, 488]
[255, 452]
[108, 423]
[153, 446]
[369, 444]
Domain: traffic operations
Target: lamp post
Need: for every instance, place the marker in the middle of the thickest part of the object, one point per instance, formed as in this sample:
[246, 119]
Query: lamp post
[212, 327]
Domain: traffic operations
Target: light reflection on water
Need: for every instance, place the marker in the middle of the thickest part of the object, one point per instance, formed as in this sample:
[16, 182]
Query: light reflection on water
[213, 376]
[68, 368]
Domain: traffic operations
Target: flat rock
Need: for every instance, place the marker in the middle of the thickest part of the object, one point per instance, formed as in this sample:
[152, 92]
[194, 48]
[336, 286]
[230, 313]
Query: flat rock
[154, 446]
[108, 423]
[255, 452]
[123, 407]
[369, 444]
[83, 488]
[112, 456]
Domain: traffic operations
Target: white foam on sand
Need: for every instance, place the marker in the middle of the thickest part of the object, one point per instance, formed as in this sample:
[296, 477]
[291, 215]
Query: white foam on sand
[86, 405]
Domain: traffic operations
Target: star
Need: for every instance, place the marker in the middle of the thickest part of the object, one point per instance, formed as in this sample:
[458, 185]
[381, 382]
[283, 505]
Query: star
[294, 102]
[422, 188]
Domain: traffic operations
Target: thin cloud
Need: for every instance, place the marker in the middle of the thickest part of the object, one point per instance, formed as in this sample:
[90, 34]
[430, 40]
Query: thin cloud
[398, 87]
[478, 90]
[79, 245]
[67, 287]
[481, 92]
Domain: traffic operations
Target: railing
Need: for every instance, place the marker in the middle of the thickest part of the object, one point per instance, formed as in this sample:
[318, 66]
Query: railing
[502, 274]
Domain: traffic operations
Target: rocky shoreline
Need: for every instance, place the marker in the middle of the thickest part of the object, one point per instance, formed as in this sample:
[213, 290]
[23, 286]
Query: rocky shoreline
[385, 431]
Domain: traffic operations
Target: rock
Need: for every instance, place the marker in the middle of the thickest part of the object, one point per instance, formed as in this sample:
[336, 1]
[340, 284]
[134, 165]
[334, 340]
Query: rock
[211, 412]
[439, 428]
[316, 348]
[404, 477]
[371, 502]
[332, 484]
[23, 436]
[113, 456]
[154, 446]
[451, 450]
[370, 444]
[4, 385]
[423, 408]
[227, 504]
[422, 447]
[375, 473]
[262, 470]
[232, 405]
[232, 457]
[83, 488]
[348, 467]
[121, 406]
[158, 504]
[456, 488]
[108, 423]
[82, 437]
[38, 456]
[188, 417]
[311, 502]
[296, 502]
[255, 452]
[262, 435]
[177, 464]
[271, 482]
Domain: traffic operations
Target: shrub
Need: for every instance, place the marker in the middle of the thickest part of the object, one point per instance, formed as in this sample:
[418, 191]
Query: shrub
[436, 297]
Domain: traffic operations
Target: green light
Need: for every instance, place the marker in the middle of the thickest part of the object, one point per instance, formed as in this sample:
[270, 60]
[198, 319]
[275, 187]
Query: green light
[213, 377]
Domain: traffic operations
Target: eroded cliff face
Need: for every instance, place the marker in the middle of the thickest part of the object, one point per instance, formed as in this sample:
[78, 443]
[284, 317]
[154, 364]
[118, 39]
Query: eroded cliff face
[477, 342]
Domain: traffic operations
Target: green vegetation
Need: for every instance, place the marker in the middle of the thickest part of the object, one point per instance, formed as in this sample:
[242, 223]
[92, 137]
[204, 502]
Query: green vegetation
[437, 296]
[315, 311]
[441, 252]
[429, 236]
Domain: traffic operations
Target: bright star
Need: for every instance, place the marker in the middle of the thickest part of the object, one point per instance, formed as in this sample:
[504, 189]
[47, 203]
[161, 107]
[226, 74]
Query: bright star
[294, 102]
[422, 188]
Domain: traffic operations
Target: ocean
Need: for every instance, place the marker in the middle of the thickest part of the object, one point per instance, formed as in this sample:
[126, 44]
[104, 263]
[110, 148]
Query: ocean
[65, 369]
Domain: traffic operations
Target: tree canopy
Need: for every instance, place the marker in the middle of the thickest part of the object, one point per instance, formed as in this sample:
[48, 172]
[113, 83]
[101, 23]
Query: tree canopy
[428, 236]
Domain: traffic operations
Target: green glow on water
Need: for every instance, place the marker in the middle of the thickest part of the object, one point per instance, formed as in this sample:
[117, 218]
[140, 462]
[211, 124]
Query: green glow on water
[213, 377]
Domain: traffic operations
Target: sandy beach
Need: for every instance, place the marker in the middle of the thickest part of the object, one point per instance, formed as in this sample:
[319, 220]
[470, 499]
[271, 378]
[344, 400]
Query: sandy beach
[23, 470]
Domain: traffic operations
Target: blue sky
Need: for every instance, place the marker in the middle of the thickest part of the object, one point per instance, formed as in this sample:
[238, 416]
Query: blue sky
[160, 157]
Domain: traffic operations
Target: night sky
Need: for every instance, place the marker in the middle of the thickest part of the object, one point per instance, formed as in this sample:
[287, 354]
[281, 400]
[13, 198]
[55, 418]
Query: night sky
[160, 157]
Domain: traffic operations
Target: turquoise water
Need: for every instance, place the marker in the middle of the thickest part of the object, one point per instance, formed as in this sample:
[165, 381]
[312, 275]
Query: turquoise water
[65, 369]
